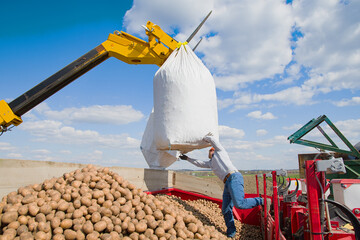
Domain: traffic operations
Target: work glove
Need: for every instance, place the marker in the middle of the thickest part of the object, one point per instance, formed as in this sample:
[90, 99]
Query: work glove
[184, 157]
[207, 135]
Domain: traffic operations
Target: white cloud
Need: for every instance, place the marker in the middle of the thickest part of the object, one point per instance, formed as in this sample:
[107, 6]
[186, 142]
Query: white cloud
[224, 103]
[41, 151]
[228, 132]
[55, 131]
[347, 102]
[4, 146]
[255, 44]
[260, 115]
[247, 40]
[15, 155]
[293, 127]
[350, 129]
[96, 114]
[261, 132]
[330, 45]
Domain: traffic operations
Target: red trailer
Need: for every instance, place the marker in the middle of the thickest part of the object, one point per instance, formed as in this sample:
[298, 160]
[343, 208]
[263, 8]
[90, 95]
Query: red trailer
[297, 215]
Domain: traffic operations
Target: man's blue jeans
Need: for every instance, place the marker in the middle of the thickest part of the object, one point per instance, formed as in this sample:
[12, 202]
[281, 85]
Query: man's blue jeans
[234, 196]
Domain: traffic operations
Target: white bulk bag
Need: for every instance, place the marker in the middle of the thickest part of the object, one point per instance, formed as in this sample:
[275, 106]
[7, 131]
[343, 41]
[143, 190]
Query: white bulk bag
[155, 158]
[185, 105]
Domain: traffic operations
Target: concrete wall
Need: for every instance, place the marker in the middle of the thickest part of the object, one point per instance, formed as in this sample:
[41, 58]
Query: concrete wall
[18, 173]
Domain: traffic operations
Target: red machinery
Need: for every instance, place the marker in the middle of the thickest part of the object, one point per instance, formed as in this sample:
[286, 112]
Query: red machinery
[294, 214]
[305, 216]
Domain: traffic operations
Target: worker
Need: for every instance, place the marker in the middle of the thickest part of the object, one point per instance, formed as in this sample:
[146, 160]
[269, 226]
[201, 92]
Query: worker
[233, 194]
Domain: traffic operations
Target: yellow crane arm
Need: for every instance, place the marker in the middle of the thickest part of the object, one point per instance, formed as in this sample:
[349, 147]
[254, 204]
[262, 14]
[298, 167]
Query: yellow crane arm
[120, 45]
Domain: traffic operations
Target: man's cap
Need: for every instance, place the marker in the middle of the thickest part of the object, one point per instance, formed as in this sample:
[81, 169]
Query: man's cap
[212, 149]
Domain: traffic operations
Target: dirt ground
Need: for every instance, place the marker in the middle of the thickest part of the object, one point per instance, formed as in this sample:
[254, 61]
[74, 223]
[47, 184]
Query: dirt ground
[250, 184]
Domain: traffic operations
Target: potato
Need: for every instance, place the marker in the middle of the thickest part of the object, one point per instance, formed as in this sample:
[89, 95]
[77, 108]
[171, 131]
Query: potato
[95, 217]
[70, 234]
[170, 218]
[40, 201]
[29, 198]
[60, 215]
[141, 227]
[131, 227]
[124, 225]
[97, 194]
[117, 228]
[80, 235]
[152, 224]
[158, 215]
[58, 236]
[100, 226]
[26, 236]
[14, 225]
[63, 206]
[107, 204]
[58, 230]
[114, 236]
[159, 231]
[134, 236]
[85, 201]
[44, 227]
[76, 183]
[88, 227]
[140, 215]
[96, 203]
[148, 210]
[66, 223]
[40, 217]
[115, 210]
[23, 209]
[9, 217]
[55, 222]
[92, 209]
[40, 235]
[166, 225]
[77, 213]
[105, 211]
[33, 209]
[192, 227]
[93, 236]
[21, 229]
[23, 220]
[125, 208]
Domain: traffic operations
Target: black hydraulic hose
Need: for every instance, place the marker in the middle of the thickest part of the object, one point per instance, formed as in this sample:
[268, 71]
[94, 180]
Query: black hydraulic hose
[351, 216]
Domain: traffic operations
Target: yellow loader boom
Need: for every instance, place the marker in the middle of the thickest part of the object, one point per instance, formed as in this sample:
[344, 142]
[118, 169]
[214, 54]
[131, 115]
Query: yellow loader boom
[120, 45]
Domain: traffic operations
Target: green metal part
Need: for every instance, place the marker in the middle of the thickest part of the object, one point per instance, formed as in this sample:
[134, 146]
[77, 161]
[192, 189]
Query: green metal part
[314, 123]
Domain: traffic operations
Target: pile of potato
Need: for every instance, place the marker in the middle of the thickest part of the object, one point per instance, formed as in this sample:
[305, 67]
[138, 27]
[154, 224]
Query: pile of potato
[93, 203]
[209, 213]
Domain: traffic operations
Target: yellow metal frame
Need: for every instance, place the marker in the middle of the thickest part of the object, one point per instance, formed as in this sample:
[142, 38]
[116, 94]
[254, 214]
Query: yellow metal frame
[133, 50]
[124, 47]
[7, 117]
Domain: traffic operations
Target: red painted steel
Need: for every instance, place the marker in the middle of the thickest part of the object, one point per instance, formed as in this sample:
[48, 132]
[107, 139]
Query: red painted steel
[314, 194]
[276, 206]
[265, 207]
[257, 185]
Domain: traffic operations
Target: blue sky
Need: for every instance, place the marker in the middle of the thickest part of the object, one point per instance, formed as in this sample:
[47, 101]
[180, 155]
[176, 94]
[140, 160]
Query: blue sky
[276, 66]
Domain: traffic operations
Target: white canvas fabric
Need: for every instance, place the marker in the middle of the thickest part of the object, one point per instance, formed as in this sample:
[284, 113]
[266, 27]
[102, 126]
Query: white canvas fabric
[155, 158]
[185, 104]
